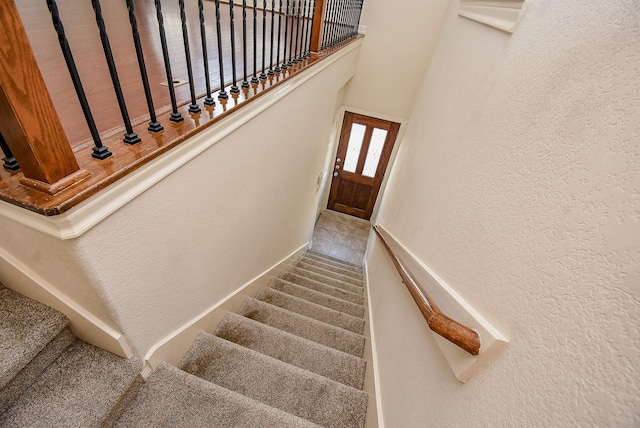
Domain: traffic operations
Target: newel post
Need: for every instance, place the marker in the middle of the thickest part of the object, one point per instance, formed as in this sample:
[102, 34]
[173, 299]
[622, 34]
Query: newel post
[28, 120]
[318, 26]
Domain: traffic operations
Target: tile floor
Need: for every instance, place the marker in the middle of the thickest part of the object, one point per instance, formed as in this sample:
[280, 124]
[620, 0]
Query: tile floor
[341, 236]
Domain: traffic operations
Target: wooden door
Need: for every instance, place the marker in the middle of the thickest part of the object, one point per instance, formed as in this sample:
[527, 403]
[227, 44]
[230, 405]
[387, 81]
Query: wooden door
[363, 154]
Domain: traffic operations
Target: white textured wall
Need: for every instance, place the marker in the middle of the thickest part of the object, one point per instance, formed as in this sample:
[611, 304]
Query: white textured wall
[518, 183]
[394, 56]
[205, 230]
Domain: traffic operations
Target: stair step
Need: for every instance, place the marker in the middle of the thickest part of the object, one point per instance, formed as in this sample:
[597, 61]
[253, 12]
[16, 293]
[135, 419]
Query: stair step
[173, 398]
[32, 336]
[340, 269]
[275, 383]
[329, 259]
[311, 310]
[350, 277]
[321, 287]
[317, 297]
[291, 349]
[302, 326]
[85, 386]
[357, 289]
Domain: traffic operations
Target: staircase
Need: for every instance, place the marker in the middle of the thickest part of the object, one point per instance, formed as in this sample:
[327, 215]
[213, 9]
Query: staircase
[290, 357]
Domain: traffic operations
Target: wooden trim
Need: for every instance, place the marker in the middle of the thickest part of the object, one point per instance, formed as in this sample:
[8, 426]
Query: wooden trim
[28, 119]
[318, 25]
[453, 331]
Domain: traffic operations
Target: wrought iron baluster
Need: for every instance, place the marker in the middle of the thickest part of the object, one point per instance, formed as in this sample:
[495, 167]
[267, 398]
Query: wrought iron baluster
[286, 27]
[327, 24]
[176, 116]
[222, 94]
[342, 20]
[303, 38]
[277, 69]
[9, 162]
[193, 107]
[297, 18]
[208, 100]
[352, 19]
[263, 76]
[335, 19]
[154, 125]
[234, 87]
[360, 4]
[245, 82]
[313, 20]
[293, 16]
[130, 137]
[273, 17]
[100, 151]
[348, 32]
[255, 79]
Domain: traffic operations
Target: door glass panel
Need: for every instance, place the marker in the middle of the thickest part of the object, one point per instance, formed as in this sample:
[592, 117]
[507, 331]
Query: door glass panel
[353, 149]
[373, 155]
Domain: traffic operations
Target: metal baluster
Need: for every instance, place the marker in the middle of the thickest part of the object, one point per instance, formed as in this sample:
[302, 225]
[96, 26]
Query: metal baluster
[310, 29]
[208, 100]
[263, 76]
[154, 125]
[352, 18]
[175, 114]
[245, 82]
[334, 20]
[327, 23]
[297, 18]
[273, 17]
[349, 20]
[303, 38]
[293, 15]
[130, 137]
[100, 151]
[286, 27]
[277, 69]
[342, 19]
[359, 14]
[193, 107]
[255, 79]
[10, 162]
[234, 87]
[222, 94]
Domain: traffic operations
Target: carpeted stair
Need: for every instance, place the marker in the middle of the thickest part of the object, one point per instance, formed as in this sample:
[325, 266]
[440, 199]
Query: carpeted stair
[49, 378]
[290, 357]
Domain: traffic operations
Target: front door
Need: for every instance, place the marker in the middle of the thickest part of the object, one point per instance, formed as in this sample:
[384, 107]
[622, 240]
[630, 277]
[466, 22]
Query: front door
[363, 154]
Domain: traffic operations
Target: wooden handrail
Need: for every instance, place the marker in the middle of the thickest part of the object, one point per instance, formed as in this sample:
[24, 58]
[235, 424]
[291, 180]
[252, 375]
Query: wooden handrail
[453, 331]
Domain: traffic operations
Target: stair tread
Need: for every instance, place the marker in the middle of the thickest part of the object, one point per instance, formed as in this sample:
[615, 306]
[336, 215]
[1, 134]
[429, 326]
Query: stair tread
[352, 288]
[291, 349]
[317, 297]
[311, 310]
[321, 287]
[303, 326]
[173, 398]
[275, 383]
[81, 388]
[332, 259]
[26, 327]
[337, 268]
[350, 277]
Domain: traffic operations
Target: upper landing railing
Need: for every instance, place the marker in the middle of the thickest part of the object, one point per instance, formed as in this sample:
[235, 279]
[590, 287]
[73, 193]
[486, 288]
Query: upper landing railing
[229, 53]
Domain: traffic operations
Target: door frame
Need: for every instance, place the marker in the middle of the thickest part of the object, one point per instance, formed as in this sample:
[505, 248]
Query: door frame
[332, 151]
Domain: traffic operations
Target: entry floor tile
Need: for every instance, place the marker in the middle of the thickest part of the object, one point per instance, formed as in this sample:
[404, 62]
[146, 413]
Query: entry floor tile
[342, 236]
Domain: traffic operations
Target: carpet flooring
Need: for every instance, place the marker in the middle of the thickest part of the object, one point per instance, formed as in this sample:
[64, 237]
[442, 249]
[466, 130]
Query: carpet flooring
[292, 356]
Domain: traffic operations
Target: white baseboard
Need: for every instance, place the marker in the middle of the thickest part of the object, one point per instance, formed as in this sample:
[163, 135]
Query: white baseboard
[374, 354]
[173, 347]
[86, 326]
